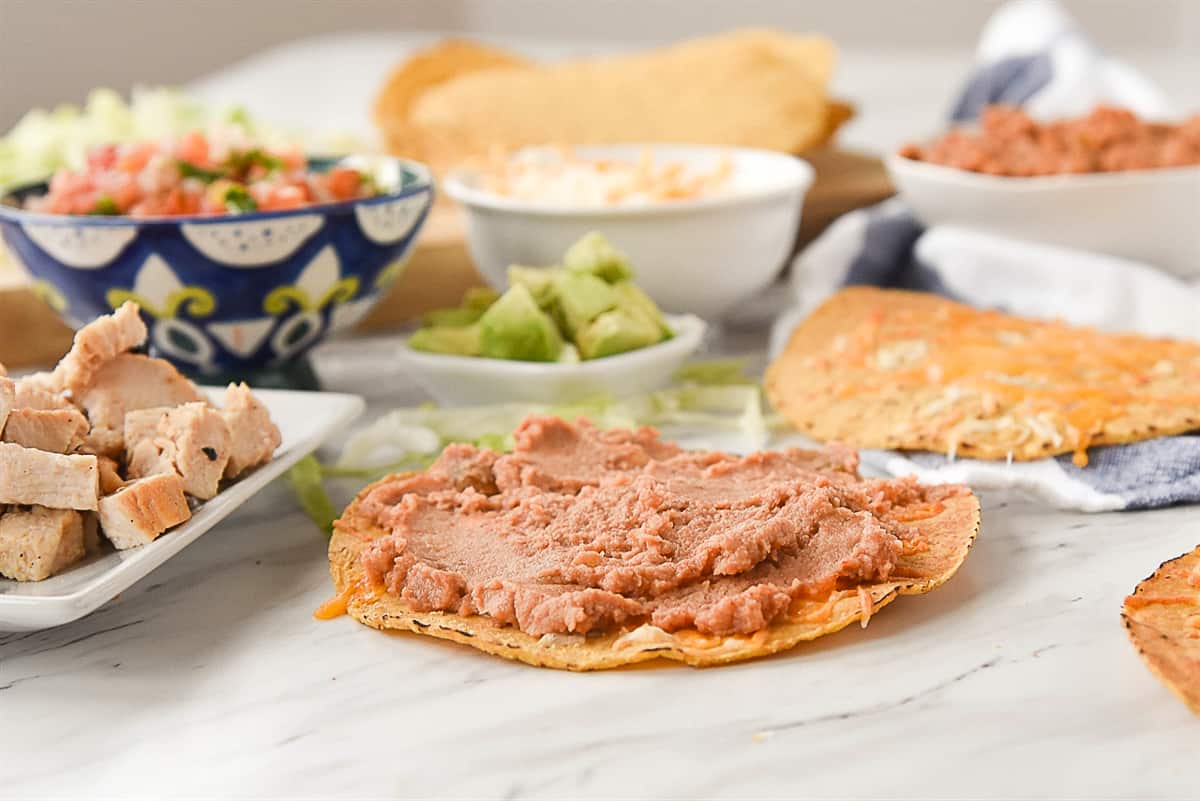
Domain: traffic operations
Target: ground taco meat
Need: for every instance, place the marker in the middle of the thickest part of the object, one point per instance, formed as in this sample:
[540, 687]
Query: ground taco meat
[579, 530]
[1009, 142]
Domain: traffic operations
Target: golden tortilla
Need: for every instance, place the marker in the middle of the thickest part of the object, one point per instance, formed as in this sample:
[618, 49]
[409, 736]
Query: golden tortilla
[423, 70]
[878, 368]
[949, 534]
[753, 88]
[1163, 620]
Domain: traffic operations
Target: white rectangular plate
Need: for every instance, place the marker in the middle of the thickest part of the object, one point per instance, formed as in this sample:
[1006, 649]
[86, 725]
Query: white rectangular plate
[305, 419]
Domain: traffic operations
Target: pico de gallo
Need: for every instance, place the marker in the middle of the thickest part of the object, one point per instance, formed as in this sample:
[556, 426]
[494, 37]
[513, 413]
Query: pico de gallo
[196, 174]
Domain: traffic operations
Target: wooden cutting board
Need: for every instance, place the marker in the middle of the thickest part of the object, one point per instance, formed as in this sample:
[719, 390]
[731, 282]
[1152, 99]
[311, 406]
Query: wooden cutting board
[440, 268]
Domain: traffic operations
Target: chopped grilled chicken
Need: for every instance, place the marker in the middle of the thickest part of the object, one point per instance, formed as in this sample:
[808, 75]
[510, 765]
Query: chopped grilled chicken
[126, 383]
[141, 510]
[192, 439]
[57, 430]
[91, 531]
[37, 391]
[110, 475]
[36, 543]
[253, 437]
[32, 477]
[142, 424]
[98, 343]
[8, 398]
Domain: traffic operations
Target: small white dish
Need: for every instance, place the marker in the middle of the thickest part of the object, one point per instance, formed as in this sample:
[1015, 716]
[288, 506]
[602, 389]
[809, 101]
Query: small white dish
[305, 420]
[704, 256]
[472, 380]
[1150, 216]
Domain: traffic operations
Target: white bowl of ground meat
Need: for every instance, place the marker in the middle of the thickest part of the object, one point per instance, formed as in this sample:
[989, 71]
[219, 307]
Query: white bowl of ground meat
[1107, 183]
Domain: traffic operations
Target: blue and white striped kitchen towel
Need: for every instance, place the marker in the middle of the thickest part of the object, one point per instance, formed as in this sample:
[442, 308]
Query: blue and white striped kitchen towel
[1031, 54]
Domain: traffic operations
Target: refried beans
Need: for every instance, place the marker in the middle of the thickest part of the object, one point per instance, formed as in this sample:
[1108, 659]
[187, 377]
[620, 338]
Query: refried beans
[579, 530]
[1009, 142]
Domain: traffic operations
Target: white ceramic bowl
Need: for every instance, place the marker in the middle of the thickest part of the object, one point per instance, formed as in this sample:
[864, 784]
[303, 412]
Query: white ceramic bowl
[1151, 216]
[702, 256]
[469, 380]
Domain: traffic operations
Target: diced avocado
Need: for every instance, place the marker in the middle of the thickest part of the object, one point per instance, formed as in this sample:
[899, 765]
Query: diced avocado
[596, 255]
[451, 318]
[479, 297]
[630, 296]
[475, 302]
[542, 282]
[515, 328]
[615, 332]
[569, 354]
[582, 297]
[454, 340]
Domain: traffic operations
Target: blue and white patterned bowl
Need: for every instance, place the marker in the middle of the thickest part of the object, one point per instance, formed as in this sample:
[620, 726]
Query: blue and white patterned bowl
[233, 295]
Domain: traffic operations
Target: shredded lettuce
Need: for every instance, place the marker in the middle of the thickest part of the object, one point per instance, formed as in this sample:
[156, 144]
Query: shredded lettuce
[305, 481]
[715, 372]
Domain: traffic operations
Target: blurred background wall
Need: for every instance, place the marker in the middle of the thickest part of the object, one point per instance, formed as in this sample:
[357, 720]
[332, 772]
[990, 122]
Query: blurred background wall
[55, 50]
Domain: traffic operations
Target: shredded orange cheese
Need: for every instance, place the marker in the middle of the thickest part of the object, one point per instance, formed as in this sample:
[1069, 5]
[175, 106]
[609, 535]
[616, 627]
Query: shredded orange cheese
[1056, 383]
[1142, 601]
[335, 606]
[868, 605]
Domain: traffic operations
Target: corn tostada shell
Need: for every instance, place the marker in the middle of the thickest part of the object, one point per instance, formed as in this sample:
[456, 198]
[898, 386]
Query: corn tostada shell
[949, 535]
[1162, 618]
[869, 368]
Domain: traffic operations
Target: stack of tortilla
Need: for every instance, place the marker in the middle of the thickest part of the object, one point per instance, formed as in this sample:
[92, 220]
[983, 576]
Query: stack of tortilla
[751, 88]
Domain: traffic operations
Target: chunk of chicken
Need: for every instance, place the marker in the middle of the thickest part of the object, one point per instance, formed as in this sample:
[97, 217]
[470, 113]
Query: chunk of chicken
[33, 477]
[192, 440]
[110, 475]
[91, 531]
[36, 543]
[126, 383]
[37, 391]
[98, 343]
[253, 437]
[57, 430]
[8, 399]
[141, 510]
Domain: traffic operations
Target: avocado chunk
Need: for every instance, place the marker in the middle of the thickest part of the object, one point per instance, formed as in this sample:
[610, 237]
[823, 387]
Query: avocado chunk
[542, 282]
[582, 297]
[616, 331]
[475, 302]
[596, 255]
[569, 354]
[462, 340]
[455, 317]
[479, 297]
[631, 297]
[515, 328]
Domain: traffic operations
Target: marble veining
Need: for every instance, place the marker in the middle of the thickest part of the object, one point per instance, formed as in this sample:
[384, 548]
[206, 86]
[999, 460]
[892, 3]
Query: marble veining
[210, 678]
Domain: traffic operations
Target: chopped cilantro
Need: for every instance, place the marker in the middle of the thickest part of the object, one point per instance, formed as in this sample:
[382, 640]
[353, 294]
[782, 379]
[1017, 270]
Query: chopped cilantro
[189, 170]
[106, 206]
[239, 163]
[238, 200]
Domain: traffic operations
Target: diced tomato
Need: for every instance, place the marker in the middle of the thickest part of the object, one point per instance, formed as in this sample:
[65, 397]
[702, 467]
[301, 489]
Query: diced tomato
[343, 183]
[284, 197]
[193, 148]
[103, 157]
[136, 157]
[292, 158]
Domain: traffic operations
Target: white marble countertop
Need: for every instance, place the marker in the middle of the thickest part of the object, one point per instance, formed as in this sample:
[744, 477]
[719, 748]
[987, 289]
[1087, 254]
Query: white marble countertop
[210, 678]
